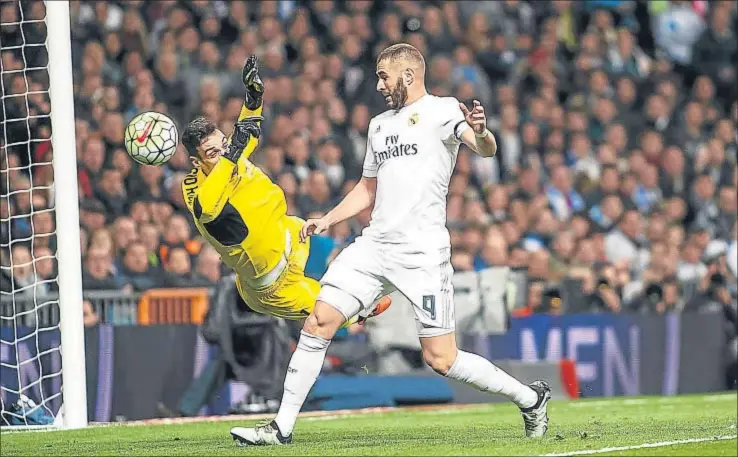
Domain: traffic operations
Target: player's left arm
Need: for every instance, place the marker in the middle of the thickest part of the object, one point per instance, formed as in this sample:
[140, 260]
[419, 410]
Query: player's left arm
[478, 137]
[253, 103]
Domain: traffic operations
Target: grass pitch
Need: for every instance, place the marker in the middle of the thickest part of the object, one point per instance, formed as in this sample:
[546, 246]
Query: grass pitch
[685, 425]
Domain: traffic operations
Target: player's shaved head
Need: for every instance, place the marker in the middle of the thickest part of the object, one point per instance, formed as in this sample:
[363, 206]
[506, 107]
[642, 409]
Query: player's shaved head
[403, 53]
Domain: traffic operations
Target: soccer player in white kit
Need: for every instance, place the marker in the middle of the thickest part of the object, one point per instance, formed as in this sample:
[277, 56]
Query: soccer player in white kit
[411, 154]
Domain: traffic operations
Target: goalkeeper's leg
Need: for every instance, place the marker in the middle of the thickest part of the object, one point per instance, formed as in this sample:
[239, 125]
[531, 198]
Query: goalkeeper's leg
[295, 299]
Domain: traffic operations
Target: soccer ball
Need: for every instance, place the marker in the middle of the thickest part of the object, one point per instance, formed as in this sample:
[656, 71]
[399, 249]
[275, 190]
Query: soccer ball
[151, 138]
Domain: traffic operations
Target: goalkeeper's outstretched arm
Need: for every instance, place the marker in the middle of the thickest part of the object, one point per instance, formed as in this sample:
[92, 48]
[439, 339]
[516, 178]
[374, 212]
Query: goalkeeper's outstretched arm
[253, 103]
[217, 187]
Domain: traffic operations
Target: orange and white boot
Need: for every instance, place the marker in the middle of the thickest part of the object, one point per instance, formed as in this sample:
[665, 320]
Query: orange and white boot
[382, 305]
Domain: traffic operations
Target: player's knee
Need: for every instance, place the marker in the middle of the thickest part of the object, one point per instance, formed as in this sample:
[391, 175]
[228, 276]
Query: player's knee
[311, 324]
[440, 362]
[440, 352]
[324, 321]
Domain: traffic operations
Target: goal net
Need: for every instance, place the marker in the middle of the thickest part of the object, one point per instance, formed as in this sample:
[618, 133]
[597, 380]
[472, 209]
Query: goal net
[42, 366]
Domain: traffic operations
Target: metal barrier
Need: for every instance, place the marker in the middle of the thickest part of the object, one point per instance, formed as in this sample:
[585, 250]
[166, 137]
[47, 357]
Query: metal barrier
[114, 307]
[156, 306]
[173, 306]
[39, 311]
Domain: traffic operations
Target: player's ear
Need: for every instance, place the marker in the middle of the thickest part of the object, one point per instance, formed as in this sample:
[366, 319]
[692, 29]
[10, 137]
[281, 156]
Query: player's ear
[408, 76]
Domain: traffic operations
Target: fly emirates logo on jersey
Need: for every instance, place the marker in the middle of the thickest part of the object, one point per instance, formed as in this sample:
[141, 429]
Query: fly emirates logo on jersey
[395, 148]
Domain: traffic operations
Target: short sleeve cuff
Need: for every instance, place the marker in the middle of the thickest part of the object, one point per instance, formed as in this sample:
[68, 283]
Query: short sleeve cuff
[460, 128]
[369, 173]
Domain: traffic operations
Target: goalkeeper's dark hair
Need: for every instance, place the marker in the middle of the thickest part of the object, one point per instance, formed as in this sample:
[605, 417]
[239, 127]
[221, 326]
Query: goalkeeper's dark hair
[195, 132]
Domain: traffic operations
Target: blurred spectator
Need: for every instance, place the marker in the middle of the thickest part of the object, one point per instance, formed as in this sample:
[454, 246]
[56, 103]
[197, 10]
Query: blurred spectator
[137, 269]
[625, 243]
[562, 197]
[103, 239]
[92, 214]
[112, 193]
[178, 272]
[208, 266]
[22, 280]
[98, 272]
[124, 232]
[89, 316]
[714, 53]
[45, 268]
[177, 234]
[561, 254]
[318, 197]
[149, 235]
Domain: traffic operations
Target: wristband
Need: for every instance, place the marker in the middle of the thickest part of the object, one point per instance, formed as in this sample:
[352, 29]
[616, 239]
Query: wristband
[482, 135]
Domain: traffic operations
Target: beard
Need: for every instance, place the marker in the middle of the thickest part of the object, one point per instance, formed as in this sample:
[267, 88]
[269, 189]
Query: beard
[398, 95]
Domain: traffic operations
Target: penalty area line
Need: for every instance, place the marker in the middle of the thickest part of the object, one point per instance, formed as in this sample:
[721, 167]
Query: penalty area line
[643, 446]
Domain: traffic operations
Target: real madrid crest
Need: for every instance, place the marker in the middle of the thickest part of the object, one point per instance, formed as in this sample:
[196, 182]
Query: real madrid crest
[413, 119]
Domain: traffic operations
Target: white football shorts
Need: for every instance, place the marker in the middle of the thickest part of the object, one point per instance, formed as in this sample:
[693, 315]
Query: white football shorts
[366, 270]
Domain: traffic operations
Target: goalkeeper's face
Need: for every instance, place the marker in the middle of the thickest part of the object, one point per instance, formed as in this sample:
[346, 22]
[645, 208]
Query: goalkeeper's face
[210, 150]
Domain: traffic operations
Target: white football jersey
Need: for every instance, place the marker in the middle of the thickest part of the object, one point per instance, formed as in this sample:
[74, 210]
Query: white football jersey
[412, 153]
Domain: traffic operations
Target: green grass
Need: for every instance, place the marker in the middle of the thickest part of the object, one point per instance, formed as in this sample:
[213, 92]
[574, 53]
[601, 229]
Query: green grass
[495, 429]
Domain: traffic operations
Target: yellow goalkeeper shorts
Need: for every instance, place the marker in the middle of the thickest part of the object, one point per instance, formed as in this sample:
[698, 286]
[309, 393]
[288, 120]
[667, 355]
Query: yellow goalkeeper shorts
[292, 295]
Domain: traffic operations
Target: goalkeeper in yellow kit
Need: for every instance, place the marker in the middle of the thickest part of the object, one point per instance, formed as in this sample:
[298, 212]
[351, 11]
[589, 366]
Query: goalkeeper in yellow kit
[243, 214]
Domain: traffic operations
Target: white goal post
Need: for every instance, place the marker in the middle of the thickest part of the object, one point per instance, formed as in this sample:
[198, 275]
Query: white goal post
[74, 385]
[70, 410]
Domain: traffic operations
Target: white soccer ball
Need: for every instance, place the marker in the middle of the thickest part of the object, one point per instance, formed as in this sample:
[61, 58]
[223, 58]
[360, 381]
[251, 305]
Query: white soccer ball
[151, 138]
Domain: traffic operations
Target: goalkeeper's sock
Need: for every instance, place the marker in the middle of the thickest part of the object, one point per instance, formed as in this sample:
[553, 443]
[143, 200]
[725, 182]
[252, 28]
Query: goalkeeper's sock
[485, 376]
[303, 370]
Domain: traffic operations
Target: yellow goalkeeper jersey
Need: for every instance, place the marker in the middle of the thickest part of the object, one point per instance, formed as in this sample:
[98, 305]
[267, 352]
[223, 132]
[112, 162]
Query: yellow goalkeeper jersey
[240, 212]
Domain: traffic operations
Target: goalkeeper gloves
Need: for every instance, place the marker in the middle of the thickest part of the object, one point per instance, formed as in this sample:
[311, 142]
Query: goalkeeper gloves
[242, 133]
[253, 83]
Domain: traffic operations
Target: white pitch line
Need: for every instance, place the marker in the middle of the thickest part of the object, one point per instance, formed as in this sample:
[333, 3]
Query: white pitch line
[720, 397]
[625, 401]
[643, 446]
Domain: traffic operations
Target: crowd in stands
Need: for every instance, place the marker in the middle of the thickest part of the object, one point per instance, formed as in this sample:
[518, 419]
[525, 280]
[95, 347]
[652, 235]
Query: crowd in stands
[615, 120]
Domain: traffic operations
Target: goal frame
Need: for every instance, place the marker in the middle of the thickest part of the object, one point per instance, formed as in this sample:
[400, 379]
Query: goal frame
[66, 199]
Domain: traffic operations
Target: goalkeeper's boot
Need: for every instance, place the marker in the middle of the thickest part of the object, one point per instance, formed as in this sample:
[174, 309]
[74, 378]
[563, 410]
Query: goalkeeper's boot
[535, 418]
[380, 307]
[267, 434]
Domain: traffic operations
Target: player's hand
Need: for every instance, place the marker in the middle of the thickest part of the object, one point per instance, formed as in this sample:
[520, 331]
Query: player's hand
[252, 81]
[313, 227]
[243, 131]
[476, 118]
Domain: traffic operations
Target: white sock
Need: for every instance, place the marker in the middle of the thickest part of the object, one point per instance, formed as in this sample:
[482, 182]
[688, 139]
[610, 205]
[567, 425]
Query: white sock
[303, 370]
[485, 376]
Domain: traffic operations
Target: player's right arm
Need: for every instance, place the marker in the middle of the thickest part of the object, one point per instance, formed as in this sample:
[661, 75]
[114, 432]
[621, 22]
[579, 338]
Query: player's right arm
[357, 200]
